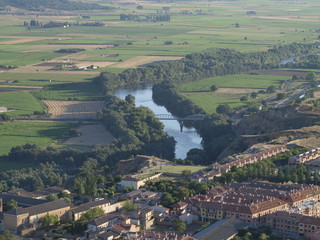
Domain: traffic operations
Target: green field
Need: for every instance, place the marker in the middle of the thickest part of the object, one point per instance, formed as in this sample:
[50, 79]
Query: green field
[21, 103]
[43, 134]
[194, 27]
[86, 91]
[209, 101]
[42, 79]
[199, 91]
[235, 81]
[179, 169]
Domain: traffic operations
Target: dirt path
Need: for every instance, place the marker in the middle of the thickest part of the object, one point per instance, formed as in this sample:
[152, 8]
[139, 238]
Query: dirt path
[21, 39]
[237, 90]
[140, 60]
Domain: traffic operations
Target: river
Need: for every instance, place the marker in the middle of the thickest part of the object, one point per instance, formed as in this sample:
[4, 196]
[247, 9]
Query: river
[186, 140]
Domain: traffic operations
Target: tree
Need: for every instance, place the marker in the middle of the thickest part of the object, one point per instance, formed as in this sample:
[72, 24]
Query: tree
[167, 199]
[129, 206]
[271, 89]
[4, 117]
[52, 197]
[12, 204]
[244, 98]
[79, 185]
[89, 165]
[263, 236]
[254, 94]
[224, 109]
[186, 173]
[7, 236]
[91, 214]
[311, 76]
[49, 220]
[180, 226]
[294, 77]
[213, 88]
[281, 96]
[183, 193]
[130, 99]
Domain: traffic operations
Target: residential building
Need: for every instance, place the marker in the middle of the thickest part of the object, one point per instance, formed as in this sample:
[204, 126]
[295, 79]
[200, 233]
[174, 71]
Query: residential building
[136, 182]
[258, 157]
[293, 222]
[76, 212]
[15, 218]
[106, 221]
[163, 236]
[305, 157]
[250, 202]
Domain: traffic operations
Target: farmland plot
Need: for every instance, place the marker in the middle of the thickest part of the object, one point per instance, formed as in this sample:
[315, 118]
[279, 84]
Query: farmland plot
[77, 110]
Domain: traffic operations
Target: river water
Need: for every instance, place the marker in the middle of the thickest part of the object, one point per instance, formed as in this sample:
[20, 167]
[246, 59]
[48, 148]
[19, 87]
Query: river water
[186, 140]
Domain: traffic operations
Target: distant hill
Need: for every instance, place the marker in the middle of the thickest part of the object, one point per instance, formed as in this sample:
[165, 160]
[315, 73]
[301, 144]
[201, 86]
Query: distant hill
[41, 5]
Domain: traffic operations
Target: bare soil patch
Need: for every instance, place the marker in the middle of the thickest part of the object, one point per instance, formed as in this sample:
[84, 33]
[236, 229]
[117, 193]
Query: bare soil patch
[104, 35]
[99, 64]
[78, 110]
[140, 60]
[288, 18]
[91, 135]
[237, 90]
[24, 39]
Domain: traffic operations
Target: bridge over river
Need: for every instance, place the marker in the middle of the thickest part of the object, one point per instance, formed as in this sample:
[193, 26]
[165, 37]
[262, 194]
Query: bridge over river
[195, 117]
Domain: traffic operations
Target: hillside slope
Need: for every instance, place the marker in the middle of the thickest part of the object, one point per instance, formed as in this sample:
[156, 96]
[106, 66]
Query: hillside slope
[293, 124]
[40, 5]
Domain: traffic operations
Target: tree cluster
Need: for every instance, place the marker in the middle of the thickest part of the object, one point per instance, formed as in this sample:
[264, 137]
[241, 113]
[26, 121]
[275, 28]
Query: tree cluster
[41, 5]
[136, 129]
[176, 191]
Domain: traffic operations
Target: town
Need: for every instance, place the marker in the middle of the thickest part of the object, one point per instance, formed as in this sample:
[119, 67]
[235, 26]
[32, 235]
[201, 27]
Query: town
[288, 208]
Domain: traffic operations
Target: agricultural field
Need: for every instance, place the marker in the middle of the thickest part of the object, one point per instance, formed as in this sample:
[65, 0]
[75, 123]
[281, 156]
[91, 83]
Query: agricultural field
[91, 135]
[79, 110]
[230, 89]
[42, 133]
[235, 81]
[20, 103]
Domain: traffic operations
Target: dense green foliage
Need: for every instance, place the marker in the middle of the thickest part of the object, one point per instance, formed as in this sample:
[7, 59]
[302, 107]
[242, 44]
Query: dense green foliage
[49, 220]
[7, 235]
[40, 5]
[176, 191]
[33, 179]
[256, 234]
[70, 50]
[210, 63]
[136, 129]
[309, 62]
